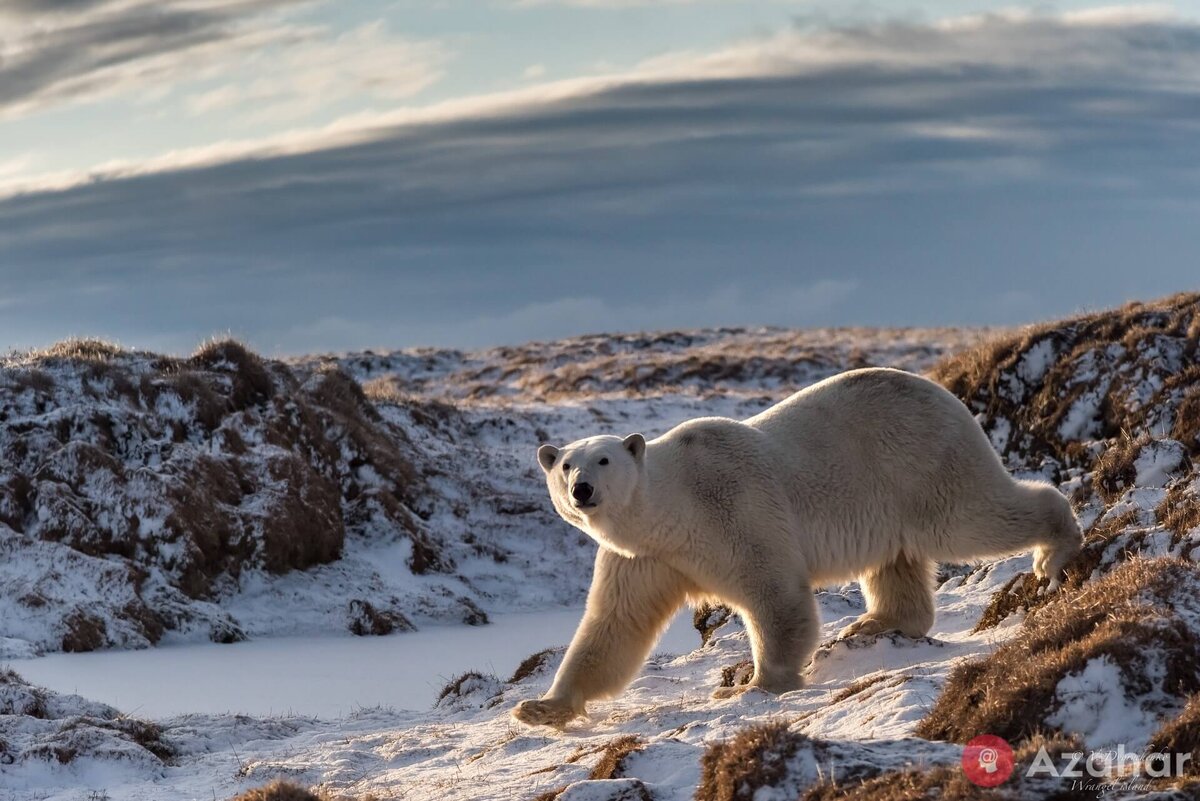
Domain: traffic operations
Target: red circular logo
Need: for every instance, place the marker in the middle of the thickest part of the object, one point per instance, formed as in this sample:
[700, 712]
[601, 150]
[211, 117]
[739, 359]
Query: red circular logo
[987, 760]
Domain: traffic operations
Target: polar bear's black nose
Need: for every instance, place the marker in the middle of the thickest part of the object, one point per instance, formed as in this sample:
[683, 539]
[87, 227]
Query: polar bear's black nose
[582, 492]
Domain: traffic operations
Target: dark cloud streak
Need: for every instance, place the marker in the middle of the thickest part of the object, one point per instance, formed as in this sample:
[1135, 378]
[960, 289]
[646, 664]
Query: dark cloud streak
[64, 56]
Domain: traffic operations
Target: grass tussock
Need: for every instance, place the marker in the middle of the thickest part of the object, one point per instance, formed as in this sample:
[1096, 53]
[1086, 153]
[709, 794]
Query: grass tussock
[278, 790]
[708, 617]
[733, 770]
[456, 687]
[1124, 617]
[251, 380]
[1115, 469]
[738, 674]
[949, 783]
[612, 757]
[82, 350]
[1179, 511]
[283, 790]
[368, 620]
[533, 664]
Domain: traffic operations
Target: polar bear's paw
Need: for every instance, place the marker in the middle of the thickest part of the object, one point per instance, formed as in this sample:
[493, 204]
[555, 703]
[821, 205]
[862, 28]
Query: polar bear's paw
[545, 712]
[1048, 564]
[867, 626]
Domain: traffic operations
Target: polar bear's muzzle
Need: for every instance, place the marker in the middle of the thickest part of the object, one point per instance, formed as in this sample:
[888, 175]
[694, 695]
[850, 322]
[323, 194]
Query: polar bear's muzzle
[584, 495]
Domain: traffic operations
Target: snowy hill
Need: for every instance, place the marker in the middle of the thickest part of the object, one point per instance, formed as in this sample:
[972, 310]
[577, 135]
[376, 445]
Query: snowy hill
[1106, 406]
[149, 499]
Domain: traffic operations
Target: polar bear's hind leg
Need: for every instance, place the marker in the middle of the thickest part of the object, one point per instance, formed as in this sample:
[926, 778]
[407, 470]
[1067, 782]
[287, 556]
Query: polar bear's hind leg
[899, 597]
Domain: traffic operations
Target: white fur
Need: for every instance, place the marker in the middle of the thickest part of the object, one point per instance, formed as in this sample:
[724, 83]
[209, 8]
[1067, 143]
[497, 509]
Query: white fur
[875, 474]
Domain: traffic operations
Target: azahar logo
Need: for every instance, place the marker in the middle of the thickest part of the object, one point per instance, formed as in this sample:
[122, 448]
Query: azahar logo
[987, 760]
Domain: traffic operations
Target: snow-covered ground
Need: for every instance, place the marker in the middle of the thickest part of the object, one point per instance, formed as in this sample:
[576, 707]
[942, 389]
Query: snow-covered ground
[326, 677]
[467, 747]
[462, 531]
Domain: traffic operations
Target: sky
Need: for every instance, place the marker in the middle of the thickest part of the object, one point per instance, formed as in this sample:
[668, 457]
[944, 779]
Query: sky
[322, 176]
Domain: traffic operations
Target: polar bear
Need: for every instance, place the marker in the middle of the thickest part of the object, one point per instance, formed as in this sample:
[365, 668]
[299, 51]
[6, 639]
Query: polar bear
[876, 474]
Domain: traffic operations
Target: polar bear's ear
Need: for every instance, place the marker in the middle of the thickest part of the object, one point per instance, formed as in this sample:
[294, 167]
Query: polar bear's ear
[635, 444]
[546, 456]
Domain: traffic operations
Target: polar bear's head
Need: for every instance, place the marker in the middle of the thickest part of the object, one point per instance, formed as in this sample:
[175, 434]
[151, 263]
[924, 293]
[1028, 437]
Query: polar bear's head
[594, 477]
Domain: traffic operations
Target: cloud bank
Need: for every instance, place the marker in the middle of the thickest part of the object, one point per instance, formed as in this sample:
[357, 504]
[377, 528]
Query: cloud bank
[988, 170]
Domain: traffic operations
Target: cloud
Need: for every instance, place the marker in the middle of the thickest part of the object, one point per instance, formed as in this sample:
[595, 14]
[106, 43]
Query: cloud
[315, 73]
[611, 4]
[84, 51]
[988, 170]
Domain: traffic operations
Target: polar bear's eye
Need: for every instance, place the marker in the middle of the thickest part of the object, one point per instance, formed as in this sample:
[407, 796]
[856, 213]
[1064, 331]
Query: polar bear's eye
[604, 461]
[566, 467]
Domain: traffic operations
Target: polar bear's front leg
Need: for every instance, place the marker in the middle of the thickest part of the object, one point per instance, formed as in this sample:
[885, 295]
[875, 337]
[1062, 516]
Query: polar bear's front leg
[783, 624]
[628, 606]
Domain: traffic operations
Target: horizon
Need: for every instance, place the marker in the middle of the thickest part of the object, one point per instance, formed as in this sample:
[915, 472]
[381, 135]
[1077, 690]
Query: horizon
[315, 177]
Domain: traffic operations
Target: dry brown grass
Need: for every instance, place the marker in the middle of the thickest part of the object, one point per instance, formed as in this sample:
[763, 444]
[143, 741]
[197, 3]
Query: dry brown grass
[949, 783]
[430, 413]
[278, 790]
[85, 632]
[1124, 616]
[549, 795]
[22, 698]
[980, 375]
[1025, 592]
[754, 757]
[531, 664]
[368, 620]
[1114, 471]
[82, 349]
[307, 449]
[612, 758]
[737, 674]
[455, 686]
[1187, 417]
[251, 381]
[610, 766]
[1182, 736]
[646, 364]
[30, 380]
[75, 735]
[708, 617]
[857, 686]
[283, 790]
[1180, 510]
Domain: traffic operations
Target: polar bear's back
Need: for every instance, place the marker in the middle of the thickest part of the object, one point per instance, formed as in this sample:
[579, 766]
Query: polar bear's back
[881, 440]
[872, 403]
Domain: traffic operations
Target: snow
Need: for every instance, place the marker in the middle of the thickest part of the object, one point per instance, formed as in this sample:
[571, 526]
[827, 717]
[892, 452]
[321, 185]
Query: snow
[1036, 361]
[303, 700]
[1157, 462]
[326, 677]
[472, 750]
[1094, 703]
